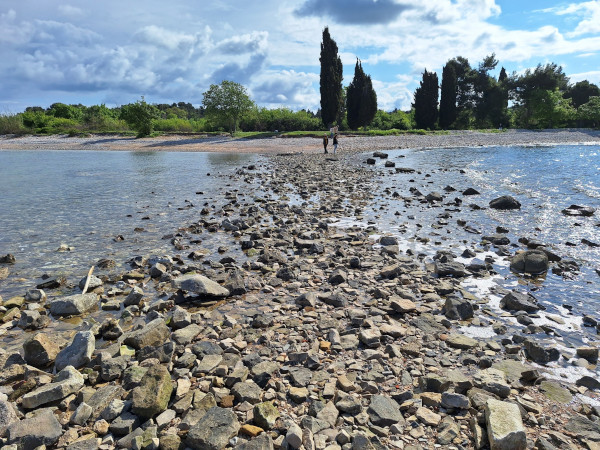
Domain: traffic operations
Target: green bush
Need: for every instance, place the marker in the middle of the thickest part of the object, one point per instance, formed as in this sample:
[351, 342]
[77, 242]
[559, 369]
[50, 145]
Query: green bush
[11, 124]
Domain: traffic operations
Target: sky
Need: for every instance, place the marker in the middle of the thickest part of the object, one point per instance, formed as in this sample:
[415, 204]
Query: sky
[113, 52]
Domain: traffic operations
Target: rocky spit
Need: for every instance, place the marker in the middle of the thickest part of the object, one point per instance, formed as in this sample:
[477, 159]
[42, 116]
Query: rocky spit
[297, 334]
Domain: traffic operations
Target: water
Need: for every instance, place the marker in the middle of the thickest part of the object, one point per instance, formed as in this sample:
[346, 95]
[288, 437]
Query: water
[85, 199]
[544, 179]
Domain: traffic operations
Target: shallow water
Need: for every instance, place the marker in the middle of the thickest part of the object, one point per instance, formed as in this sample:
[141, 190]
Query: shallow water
[85, 199]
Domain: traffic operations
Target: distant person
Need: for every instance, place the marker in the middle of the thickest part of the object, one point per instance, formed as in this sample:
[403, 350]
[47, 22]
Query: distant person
[335, 143]
[325, 142]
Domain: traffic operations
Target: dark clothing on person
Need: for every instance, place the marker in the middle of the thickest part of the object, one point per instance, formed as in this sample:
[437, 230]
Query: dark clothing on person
[325, 142]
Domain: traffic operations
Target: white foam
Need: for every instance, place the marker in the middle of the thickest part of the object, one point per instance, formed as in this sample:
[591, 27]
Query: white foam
[477, 332]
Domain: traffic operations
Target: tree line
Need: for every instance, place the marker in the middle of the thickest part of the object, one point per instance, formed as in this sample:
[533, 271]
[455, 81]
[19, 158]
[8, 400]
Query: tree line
[467, 98]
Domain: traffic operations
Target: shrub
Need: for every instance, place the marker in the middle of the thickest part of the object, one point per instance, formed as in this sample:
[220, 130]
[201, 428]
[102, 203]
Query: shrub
[11, 124]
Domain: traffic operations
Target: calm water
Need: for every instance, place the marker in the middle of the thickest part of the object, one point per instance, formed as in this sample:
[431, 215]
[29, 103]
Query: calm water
[85, 199]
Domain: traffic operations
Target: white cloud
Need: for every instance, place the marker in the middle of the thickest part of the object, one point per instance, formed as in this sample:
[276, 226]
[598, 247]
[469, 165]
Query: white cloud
[592, 76]
[70, 11]
[590, 11]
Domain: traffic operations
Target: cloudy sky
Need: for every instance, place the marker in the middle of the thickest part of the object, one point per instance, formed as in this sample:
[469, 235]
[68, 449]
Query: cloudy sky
[112, 52]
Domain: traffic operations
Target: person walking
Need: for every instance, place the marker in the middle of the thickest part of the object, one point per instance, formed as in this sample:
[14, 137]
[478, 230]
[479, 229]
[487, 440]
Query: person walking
[335, 143]
[325, 142]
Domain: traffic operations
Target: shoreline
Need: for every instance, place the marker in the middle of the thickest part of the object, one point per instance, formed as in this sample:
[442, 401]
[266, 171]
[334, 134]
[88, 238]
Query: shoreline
[348, 144]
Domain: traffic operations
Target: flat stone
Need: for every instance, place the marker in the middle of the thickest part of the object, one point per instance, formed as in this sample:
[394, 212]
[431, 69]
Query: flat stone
[402, 305]
[384, 411]
[214, 430]
[428, 417]
[555, 392]
[454, 400]
[152, 334]
[584, 428]
[41, 429]
[504, 426]
[67, 381]
[492, 380]
[41, 350]
[73, 305]
[208, 363]
[200, 285]
[462, 342]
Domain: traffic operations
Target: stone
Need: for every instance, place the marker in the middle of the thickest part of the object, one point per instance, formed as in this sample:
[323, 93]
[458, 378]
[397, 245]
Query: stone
[457, 308]
[208, 363]
[428, 417]
[214, 430]
[102, 398]
[81, 414]
[200, 285]
[588, 382]
[517, 301]
[40, 350]
[454, 400]
[33, 320]
[152, 396]
[540, 354]
[294, 435]
[492, 380]
[506, 202]
[555, 392]
[247, 391]
[384, 411]
[8, 416]
[186, 335]
[135, 297]
[583, 427]
[504, 426]
[67, 381]
[153, 334]
[450, 269]
[41, 429]
[265, 415]
[78, 353]
[371, 337]
[73, 305]
[402, 305]
[460, 341]
[94, 283]
[530, 261]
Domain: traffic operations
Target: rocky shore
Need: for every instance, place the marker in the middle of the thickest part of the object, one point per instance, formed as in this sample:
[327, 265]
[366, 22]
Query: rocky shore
[297, 334]
[348, 143]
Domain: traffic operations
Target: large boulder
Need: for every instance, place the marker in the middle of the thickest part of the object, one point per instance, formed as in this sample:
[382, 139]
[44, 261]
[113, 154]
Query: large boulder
[78, 353]
[73, 305]
[68, 381]
[200, 285]
[517, 301]
[504, 426]
[536, 352]
[450, 269]
[40, 350]
[152, 396]
[40, 429]
[214, 430]
[530, 261]
[384, 411]
[504, 203]
[153, 334]
[457, 308]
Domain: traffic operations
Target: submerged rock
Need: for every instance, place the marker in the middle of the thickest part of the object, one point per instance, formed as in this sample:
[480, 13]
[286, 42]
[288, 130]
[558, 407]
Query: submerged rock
[530, 261]
[506, 202]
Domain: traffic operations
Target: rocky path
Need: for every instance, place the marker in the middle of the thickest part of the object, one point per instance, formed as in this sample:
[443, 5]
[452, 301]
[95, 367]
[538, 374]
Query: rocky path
[315, 337]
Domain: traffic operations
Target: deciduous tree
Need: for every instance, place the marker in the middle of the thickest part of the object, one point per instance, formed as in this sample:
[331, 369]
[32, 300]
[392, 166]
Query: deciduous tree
[227, 102]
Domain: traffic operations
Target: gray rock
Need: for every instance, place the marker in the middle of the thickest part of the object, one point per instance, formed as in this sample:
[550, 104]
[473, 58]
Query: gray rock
[504, 426]
[94, 283]
[164, 353]
[152, 334]
[384, 411]
[460, 341]
[134, 297]
[517, 301]
[8, 416]
[186, 335]
[200, 285]
[152, 396]
[112, 368]
[265, 415]
[68, 381]
[78, 353]
[208, 363]
[214, 430]
[540, 354]
[124, 424]
[41, 429]
[260, 442]
[247, 391]
[492, 380]
[73, 305]
[81, 414]
[180, 318]
[454, 400]
[450, 269]
[40, 350]
[530, 261]
[308, 299]
[33, 320]
[457, 308]
[588, 382]
[102, 398]
[505, 202]
[584, 428]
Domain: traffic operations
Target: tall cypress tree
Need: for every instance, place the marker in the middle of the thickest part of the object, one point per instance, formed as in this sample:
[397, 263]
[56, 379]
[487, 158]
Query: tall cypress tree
[448, 97]
[361, 99]
[426, 101]
[331, 80]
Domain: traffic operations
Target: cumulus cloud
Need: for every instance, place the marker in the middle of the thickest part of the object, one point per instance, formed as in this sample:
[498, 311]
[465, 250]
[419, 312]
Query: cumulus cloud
[70, 11]
[590, 11]
[287, 88]
[354, 11]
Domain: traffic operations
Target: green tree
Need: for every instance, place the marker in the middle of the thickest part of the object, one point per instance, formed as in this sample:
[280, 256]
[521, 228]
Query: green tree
[330, 81]
[227, 102]
[465, 91]
[550, 109]
[581, 92]
[361, 99]
[426, 101]
[590, 112]
[448, 97]
[62, 111]
[139, 116]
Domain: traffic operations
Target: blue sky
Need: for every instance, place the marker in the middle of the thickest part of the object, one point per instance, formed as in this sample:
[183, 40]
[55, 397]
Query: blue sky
[113, 52]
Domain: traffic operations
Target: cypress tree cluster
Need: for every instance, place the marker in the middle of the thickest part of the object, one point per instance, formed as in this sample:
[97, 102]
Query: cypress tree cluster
[448, 97]
[331, 80]
[426, 101]
[361, 99]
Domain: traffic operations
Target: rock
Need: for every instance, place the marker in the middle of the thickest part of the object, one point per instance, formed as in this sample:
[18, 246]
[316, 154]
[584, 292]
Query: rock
[538, 353]
[33, 320]
[152, 334]
[7, 259]
[460, 341]
[78, 353]
[450, 269]
[428, 417]
[40, 350]
[505, 202]
[152, 396]
[457, 308]
[94, 283]
[8, 416]
[261, 442]
[402, 305]
[186, 335]
[247, 391]
[576, 210]
[265, 415]
[135, 297]
[470, 191]
[434, 197]
[81, 414]
[67, 381]
[294, 435]
[530, 261]
[589, 353]
[492, 380]
[102, 398]
[384, 411]
[41, 429]
[517, 301]
[200, 285]
[371, 337]
[73, 305]
[555, 392]
[504, 426]
[214, 430]
[588, 382]
[583, 427]
[454, 400]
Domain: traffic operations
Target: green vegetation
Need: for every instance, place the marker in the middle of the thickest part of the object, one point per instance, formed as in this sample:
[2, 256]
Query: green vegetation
[227, 103]
[361, 99]
[139, 116]
[426, 101]
[330, 82]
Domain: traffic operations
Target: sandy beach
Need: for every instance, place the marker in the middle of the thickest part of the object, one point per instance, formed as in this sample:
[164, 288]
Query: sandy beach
[348, 143]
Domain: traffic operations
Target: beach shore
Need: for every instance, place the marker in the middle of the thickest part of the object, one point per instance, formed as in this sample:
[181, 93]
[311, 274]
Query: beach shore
[348, 143]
